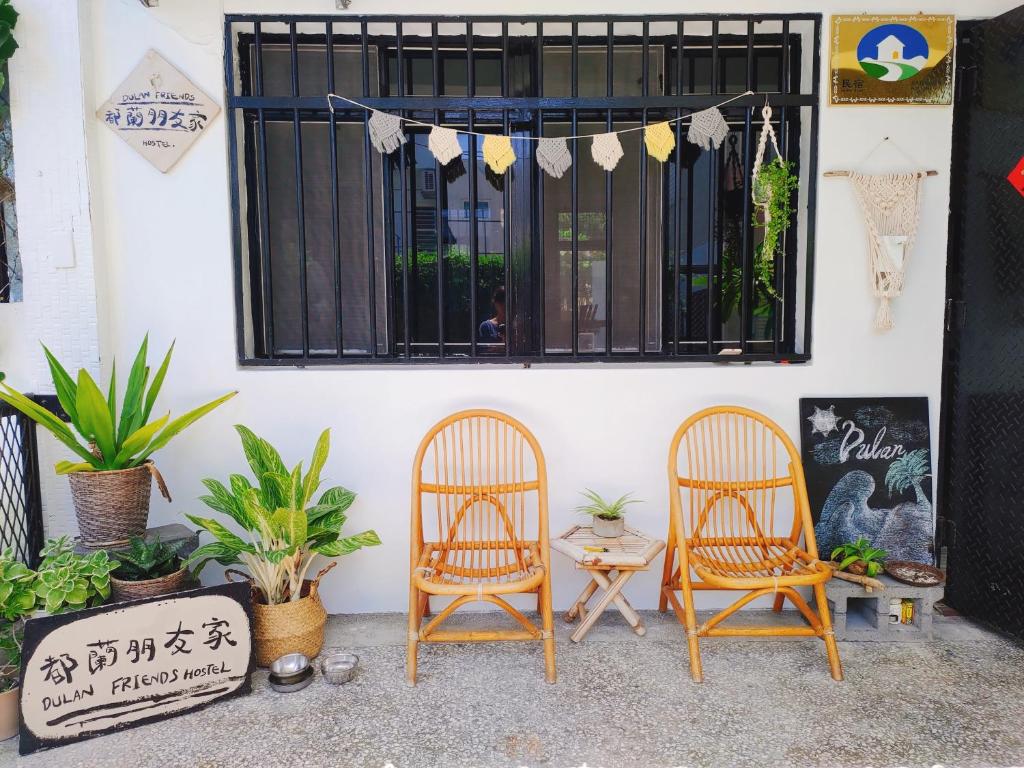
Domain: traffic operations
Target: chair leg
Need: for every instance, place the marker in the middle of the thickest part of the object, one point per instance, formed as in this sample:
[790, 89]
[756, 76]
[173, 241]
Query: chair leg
[779, 599]
[666, 574]
[829, 637]
[412, 642]
[548, 626]
[696, 669]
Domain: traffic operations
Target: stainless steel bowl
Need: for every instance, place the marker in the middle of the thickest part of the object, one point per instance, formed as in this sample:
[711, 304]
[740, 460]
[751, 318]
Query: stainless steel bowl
[290, 664]
[291, 683]
[338, 667]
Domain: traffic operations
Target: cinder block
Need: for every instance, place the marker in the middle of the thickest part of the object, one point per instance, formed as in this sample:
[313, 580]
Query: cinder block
[861, 615]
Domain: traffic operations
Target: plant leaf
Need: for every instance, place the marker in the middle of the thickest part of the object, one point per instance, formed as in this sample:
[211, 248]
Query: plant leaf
[158, 380]
[95, 417]
[67, 467]
[138, 440]
[349, 544]
[292, 525]
[316, 465]
[847, 562]
[212, 551]
[222, 534]
[67, 390]
[112, 394]
[133, 393]
[262, 458]
[48, 420]
[179, 424]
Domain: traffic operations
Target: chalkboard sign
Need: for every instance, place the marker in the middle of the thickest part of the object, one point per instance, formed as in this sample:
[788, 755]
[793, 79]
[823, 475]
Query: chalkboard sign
[92, 672]
[869, 473]
[158, 111]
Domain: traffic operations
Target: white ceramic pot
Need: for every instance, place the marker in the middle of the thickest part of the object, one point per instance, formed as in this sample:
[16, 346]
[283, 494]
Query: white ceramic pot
[9, 714]
[609, 529]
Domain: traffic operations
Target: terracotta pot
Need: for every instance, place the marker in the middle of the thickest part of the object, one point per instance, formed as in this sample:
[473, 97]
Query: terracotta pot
[9, 714]
[609, 529]
[136, 590]
[293, 627]
[112, 506]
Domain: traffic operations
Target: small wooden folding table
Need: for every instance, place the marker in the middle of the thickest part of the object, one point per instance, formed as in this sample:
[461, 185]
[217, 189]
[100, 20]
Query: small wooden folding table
[600, 557]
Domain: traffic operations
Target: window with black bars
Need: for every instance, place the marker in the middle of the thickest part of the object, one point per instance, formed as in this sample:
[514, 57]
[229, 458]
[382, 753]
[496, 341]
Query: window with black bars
[21, 521]
[342, 255]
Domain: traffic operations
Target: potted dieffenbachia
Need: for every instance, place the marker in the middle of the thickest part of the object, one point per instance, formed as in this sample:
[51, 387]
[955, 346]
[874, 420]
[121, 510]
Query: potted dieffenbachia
[284, 531]
[112, 480]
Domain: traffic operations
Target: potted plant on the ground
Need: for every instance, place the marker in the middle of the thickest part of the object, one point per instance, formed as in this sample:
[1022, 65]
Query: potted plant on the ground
[110, 485]
[608, 516]
[859, 557]
[17, 599]
[149, 569]
[285, 532]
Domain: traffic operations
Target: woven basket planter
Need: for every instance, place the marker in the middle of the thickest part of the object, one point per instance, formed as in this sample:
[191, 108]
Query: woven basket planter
[9, 714]
[113, 506]
[293, 627]
[137, 590]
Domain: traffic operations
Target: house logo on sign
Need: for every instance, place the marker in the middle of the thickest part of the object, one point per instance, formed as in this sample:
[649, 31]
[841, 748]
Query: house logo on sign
[1016, 177]
[158, 111]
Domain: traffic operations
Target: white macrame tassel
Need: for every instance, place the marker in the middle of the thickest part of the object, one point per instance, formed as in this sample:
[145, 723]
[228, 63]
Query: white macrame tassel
[707, 128]
[444, 144]
[386, 132]
[554, 157]
[606, 150]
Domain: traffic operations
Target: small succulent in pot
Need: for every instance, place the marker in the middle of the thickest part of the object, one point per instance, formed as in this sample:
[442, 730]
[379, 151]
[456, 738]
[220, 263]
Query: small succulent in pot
[67, 581]
[608, 516]
[149, 569]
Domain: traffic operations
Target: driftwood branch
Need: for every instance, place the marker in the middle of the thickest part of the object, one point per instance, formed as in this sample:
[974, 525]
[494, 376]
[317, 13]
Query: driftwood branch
[865, 581]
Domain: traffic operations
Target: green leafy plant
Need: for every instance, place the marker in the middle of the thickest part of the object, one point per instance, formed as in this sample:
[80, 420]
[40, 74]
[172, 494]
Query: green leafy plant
[67, 581]
[859, 557]
[8, 45]
[148, 560]
[773, 189]
[606, 510]
[285, 530]
[107, 441]
[17, 599]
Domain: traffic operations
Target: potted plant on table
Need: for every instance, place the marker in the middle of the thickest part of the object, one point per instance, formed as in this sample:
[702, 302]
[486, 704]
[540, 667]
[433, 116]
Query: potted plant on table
[608, 516]
[285, 531]
[149, 569]
[110, 485]
[17, 599]
[859, 557]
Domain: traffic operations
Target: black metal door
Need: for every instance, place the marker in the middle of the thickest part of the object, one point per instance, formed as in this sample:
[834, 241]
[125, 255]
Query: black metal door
[982, 457]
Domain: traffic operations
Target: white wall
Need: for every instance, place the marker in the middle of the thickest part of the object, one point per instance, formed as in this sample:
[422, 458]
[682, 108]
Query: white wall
[163, 246]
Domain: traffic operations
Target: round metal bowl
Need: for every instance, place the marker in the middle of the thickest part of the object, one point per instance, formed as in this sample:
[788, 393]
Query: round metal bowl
[338, 667]
[289, 664]
[291, 683]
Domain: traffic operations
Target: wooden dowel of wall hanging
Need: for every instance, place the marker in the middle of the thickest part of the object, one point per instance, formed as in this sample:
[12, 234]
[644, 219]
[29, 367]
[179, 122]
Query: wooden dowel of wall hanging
[847, 173]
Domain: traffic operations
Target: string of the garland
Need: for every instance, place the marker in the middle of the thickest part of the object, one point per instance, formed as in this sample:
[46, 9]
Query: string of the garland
[708, 128]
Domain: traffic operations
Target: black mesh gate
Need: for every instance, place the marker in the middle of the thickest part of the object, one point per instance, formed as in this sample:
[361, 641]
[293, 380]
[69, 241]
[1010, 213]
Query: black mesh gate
[21, 511]
[982, 461]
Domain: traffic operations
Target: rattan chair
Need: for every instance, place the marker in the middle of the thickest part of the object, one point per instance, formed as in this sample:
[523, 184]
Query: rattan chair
[479, 488]
[731, 470]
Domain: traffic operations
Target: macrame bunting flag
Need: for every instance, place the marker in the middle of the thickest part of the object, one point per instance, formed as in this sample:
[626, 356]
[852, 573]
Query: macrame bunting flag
[707, 128]
[498, 153]
[554, 157]
[444, 144]
[386, 132]
[891, 204]
[660, 140]
[606, 150]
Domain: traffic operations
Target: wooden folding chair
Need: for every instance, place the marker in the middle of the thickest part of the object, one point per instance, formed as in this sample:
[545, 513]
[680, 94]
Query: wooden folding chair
[730, 469]
[479, 486]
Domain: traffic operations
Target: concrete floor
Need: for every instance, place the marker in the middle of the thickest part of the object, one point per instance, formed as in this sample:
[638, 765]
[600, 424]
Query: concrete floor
[620, 701]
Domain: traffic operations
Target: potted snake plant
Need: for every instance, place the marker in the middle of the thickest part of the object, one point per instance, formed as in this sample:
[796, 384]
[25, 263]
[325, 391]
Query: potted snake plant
[284, 532]
[149, 569]
[112, 478]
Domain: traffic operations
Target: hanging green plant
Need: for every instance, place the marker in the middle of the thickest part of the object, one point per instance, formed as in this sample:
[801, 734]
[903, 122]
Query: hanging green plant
[773, 192]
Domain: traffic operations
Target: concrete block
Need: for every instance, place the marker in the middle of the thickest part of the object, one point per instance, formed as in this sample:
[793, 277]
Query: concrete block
[861, 615]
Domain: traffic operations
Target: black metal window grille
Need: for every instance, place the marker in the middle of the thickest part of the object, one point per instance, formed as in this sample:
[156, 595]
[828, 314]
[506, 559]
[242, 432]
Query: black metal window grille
[21, 512]
[343, 256]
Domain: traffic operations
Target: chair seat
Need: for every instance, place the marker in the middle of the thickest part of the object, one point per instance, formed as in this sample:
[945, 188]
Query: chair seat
[478, 568]
[752, 563]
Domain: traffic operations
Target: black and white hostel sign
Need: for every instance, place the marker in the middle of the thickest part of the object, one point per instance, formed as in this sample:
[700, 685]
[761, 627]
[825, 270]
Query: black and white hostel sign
[95, 671]
[158, 111]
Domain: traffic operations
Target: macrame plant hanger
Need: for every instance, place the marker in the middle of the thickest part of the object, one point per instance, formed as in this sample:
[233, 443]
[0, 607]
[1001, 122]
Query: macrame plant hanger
[761, 193]
[891, 206]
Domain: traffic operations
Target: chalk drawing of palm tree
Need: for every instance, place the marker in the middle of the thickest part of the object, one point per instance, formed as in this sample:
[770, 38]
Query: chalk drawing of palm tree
[910, 471]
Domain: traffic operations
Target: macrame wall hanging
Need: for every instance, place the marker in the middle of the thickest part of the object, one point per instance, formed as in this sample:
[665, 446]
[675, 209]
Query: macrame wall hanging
[891, 206]
[708, 128]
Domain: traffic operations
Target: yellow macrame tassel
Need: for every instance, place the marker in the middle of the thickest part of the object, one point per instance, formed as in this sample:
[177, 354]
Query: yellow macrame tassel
[660, 141]
[498, 153]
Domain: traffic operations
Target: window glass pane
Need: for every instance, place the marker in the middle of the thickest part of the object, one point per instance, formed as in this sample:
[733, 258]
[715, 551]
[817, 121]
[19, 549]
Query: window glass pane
[459, 325]
[557, 59]
[557, 250]
[490, 245]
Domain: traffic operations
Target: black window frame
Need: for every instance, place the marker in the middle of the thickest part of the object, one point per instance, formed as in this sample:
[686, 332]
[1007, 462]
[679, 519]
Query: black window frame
[247, 113]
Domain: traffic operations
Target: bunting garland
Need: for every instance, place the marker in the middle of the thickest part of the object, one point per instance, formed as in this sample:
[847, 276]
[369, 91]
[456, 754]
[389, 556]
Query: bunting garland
[708, 129]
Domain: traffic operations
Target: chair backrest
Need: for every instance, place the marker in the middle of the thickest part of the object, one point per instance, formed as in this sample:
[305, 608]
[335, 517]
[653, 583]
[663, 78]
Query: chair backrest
[731, 470]
[479, 487]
